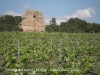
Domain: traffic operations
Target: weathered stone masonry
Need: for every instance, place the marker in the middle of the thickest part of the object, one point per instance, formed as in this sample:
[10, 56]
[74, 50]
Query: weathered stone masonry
[32, 21]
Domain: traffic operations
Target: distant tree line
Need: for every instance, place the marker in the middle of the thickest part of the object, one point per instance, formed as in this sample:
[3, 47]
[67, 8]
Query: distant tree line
[9, 23]
[73, 25]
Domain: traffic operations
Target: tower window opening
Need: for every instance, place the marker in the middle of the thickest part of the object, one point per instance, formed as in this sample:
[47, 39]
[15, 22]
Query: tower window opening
[34, 16]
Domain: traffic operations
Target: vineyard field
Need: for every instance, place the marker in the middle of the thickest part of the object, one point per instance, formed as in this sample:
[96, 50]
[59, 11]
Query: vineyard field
[27, 53]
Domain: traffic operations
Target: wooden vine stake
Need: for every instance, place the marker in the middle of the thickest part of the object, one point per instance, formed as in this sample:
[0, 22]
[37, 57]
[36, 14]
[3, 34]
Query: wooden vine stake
[77, 43]
[13, 38]
[18, 49]
[60, 51]
[66, 40]
[51, 43]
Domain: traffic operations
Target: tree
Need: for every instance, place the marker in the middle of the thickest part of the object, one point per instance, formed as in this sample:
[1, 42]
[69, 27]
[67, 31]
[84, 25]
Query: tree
[9, 23]
[53, 21]
[73, 25]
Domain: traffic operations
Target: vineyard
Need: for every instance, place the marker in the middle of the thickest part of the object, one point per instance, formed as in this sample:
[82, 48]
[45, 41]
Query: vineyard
[49, 53]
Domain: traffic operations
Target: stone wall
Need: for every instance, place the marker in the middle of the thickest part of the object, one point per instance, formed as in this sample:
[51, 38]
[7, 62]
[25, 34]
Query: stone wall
[32, 21]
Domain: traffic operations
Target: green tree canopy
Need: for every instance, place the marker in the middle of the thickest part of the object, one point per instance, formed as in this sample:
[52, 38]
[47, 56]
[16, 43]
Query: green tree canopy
[73, 25]
[9, 22]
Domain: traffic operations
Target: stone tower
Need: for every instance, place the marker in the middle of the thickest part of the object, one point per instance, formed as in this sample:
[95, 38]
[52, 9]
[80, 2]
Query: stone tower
[32, 21]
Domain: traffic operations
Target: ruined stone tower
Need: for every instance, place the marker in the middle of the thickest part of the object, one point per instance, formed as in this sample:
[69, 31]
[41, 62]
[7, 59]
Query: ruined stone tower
[32, 21]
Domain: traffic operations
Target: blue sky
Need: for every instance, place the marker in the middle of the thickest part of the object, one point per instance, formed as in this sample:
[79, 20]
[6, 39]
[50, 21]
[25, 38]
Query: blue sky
[62, 10]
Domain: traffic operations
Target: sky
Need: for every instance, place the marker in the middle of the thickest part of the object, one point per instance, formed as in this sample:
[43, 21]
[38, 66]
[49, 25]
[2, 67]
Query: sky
[62, 10]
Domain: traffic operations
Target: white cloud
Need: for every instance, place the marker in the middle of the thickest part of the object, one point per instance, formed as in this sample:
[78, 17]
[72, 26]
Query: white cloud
[82, 14]
[12, 13]
[25, 6]
[86, 13]
[59, 21]
[67, 16]
[47, 21]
